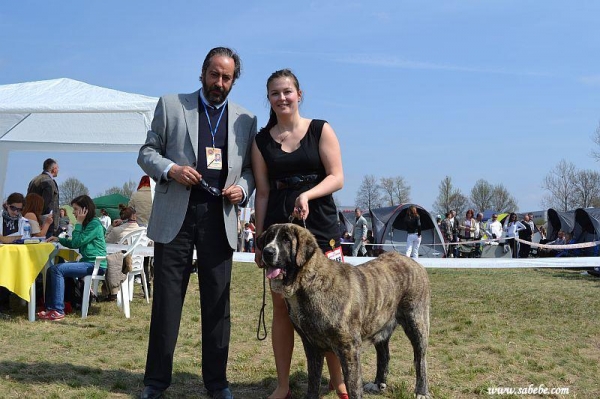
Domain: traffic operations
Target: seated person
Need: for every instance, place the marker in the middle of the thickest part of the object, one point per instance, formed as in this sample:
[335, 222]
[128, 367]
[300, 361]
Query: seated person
[560, 240]
[32, 211]
[347, 242]
[569, 239]
[119, 228]
[11, 220]
[88, 238]
[11, 224]
[63, 221]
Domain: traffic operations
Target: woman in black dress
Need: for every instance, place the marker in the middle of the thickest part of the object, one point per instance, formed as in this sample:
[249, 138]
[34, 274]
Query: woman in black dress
[297, 166]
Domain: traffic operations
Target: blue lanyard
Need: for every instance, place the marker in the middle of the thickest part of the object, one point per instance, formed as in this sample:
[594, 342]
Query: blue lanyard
[213, 132]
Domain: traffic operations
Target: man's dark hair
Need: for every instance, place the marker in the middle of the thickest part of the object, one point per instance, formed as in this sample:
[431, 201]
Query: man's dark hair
[48, 164]
[226, 52]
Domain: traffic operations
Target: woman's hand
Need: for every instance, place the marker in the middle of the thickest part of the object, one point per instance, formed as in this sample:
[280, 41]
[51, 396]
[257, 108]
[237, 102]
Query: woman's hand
[52, 239]
[80, 216]
[49, 220]
[258, 257]
[301, 210]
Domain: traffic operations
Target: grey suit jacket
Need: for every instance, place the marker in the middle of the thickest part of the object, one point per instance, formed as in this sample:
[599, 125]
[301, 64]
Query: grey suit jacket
[173, 137]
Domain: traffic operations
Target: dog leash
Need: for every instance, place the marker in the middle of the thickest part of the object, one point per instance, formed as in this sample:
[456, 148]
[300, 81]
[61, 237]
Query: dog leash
[261, 315]
[292, 217]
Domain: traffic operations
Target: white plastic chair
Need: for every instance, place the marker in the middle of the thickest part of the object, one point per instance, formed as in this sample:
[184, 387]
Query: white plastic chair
[123, 294]
[137, 261]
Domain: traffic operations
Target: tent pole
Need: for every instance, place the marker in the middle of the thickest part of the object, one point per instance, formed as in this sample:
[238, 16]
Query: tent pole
[3, 168]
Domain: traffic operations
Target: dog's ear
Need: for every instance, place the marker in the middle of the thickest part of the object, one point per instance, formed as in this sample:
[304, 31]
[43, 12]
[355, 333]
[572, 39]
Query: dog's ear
[305, 245]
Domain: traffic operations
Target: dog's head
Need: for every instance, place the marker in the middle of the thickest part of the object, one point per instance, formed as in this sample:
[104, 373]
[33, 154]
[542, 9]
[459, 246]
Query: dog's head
[286, 248]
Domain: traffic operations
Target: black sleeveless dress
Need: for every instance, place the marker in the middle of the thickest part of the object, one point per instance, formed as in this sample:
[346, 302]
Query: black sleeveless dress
[304, 161]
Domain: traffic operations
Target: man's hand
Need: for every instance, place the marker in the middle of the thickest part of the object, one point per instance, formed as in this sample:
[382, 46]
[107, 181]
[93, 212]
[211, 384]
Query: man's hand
[185, 175]
[234, 194]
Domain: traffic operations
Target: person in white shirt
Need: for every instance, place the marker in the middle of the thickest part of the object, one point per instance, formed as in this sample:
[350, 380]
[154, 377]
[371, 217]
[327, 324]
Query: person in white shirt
[494, 228]
[512, 230]
[104, 219]
[248, 238]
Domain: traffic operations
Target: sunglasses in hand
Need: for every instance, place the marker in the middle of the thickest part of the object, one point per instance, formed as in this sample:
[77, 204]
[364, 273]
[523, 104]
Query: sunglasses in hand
[212, 190]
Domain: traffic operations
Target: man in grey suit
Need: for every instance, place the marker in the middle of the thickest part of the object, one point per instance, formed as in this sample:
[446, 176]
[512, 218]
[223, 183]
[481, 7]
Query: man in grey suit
[198, 152]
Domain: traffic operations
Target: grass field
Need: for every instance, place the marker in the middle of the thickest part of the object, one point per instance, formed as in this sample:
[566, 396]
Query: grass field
[489, 329]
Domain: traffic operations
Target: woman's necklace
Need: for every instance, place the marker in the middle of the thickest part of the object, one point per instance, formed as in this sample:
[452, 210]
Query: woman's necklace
[282, 139]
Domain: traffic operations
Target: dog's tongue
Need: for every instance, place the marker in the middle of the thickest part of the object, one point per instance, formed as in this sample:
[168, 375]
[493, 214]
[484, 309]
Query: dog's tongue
[273, 272]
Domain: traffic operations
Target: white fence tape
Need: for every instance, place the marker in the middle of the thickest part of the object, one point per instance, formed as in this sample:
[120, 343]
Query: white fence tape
[471, 263]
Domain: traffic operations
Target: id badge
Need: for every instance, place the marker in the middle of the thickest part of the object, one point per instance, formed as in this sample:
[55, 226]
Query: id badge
[335, 254]
[214, 159]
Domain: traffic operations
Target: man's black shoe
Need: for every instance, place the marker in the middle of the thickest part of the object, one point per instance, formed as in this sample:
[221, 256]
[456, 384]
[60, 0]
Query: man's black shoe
[222, 394]
[151, 393]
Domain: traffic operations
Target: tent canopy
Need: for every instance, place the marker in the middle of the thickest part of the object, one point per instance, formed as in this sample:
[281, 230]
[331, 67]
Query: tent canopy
[389, 227]
[557, 221]
[111, 204]
[68, 115]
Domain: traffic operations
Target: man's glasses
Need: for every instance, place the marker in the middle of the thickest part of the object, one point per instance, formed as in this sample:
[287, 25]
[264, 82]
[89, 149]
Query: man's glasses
[212, 190]
[15, 209]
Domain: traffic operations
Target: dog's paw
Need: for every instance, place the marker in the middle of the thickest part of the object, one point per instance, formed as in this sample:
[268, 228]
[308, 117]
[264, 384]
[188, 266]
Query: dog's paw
[423, 396]
[374, 388]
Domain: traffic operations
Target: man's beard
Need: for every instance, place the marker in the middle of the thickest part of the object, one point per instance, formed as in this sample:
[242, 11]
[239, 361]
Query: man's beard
[214, 95]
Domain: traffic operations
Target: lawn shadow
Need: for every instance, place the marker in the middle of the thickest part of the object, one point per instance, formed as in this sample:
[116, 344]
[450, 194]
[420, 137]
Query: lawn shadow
[571, 274]
[121, 382]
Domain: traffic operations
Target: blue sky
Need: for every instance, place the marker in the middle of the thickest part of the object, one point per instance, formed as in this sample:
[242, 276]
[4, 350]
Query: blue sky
[499, 90]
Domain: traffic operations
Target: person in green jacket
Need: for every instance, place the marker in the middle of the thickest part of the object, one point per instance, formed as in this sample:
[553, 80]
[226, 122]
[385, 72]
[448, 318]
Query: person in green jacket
[88, 239]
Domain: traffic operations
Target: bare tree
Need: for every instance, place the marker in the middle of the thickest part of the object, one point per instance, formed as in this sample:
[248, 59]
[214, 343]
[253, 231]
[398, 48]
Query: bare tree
[70, 189]
[126, 190]
[449, 198]
[560, 185]
[368, 196]
[586, 192]
[596, 138]
[502, 201]
[481, 195]
[395, 190]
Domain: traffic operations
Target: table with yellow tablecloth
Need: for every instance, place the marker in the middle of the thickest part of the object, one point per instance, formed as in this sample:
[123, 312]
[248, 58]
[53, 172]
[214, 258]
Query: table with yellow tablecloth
[19, 266]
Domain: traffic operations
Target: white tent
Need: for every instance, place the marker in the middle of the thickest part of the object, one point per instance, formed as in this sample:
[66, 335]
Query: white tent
[68, 115]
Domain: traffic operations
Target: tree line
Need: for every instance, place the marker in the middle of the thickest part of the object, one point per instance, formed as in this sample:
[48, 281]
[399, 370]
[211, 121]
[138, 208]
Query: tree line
[566, 188]
[389, 191]
[73, 188]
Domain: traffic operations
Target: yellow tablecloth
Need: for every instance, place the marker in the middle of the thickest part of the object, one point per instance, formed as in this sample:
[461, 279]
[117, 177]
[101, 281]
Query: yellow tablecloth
[20, 264]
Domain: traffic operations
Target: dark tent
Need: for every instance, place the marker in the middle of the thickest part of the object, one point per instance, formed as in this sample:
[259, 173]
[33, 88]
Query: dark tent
[559, 221]
[111, 204]
[346, 226]
[389, 227]
[586, 229]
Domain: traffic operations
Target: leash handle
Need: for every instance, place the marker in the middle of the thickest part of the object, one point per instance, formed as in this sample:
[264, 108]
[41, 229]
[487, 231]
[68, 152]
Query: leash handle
[292, 217]
[261, 315]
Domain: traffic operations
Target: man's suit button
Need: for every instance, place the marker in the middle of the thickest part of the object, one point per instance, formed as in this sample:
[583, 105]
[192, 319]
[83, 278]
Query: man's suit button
[194, 164]
[188, 188]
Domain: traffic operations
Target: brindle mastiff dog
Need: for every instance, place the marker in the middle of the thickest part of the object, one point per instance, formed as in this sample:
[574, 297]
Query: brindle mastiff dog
[336, 307]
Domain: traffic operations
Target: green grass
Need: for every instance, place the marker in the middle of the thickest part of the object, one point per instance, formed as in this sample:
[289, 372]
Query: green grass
[489, 328]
